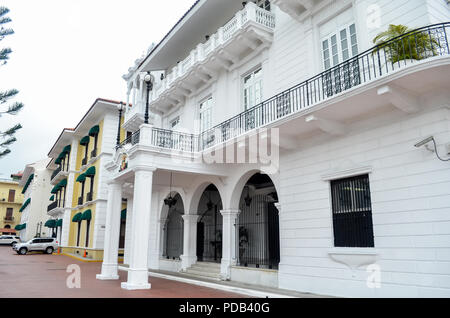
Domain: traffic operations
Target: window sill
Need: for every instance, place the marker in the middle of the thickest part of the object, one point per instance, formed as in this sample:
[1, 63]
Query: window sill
[353, 257]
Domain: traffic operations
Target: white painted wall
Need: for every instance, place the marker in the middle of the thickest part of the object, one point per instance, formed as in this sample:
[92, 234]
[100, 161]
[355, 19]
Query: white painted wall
[410, 202]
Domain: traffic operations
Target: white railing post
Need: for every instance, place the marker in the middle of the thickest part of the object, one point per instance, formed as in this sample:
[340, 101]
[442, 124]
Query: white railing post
[251, 8]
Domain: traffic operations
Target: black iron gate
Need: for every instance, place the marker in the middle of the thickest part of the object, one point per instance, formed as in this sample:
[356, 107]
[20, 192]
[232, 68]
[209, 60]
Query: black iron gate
[258, 240]
[209, 236]
[174, 235]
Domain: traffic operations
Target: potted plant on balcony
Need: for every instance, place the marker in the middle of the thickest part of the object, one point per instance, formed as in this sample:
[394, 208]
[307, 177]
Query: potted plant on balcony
[400, 43]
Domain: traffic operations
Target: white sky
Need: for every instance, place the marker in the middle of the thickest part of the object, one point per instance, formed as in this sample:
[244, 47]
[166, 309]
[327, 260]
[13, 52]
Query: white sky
[67, 53]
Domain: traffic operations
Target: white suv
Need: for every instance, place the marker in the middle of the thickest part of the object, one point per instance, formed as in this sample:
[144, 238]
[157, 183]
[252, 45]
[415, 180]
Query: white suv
[45, 244]
[9, 240]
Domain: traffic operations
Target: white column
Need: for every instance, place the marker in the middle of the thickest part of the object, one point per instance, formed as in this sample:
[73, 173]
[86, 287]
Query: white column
[138, 270]
[127, 245]
[189, 256]
[112, 233]
[228, 242]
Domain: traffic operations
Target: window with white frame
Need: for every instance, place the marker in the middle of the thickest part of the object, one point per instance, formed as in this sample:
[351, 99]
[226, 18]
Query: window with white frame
[252, 87]
[352, 212]
[206, 114]
[339, 46]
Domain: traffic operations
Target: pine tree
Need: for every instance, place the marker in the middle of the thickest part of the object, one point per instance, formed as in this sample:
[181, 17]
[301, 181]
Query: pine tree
[7, 137]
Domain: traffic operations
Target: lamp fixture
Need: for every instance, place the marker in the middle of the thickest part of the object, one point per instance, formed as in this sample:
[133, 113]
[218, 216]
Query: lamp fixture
[170, 201]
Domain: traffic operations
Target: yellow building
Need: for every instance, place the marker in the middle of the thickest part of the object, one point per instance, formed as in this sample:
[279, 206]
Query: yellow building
[11, 201]
[77, 206]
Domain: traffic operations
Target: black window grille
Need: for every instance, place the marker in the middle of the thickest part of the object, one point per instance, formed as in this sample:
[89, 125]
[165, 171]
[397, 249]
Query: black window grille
[352, 212]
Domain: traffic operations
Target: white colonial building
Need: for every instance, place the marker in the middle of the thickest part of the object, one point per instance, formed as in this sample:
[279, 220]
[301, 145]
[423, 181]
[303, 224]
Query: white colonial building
[278, 149]
[35, 181]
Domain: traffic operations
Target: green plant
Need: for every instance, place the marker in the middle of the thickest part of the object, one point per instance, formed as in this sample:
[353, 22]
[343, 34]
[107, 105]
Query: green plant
[401, 43]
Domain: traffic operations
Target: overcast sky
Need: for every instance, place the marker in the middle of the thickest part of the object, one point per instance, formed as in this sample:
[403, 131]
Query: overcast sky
[67, 53]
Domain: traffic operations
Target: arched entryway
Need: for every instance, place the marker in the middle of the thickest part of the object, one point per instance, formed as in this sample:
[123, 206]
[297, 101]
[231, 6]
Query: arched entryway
[209, 226]
[258, 236]
[173, 229]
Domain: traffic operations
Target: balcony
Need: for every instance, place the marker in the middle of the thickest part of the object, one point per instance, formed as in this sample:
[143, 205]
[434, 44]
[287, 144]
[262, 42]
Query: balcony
[94, 153]
[249, 30]
[84, 161]
[58, 175]
[360, 72]
[89, 197]
[80, 200]
[52, 206]
[8, 219]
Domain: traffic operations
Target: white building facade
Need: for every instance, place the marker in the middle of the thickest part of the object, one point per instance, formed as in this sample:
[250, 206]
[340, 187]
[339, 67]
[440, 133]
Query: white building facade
[278, 150]
[34, 214]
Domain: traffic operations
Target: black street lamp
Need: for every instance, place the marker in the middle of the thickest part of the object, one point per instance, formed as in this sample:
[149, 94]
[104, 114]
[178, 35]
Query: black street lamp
[120, 107]
[148, 81]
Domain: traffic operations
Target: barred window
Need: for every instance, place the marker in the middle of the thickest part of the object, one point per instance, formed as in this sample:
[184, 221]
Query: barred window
[352, 212]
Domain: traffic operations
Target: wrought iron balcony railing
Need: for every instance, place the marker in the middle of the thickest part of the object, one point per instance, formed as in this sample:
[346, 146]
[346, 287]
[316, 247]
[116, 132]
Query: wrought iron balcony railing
[55, 173]
[132, 140]
[89, 197]
[8, 219]
[52, 206]
[381, 60]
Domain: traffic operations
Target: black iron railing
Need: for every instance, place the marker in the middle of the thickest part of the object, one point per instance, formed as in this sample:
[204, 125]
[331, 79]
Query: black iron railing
[89, 197]
[378, 61]
[55, 173]
[80, 200]
[132, 140]
[52, 206]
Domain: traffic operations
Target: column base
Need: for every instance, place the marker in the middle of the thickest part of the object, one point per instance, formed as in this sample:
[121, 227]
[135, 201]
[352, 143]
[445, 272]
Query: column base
[137, 279]
[106, 277]
[130, 286]
[109, 272]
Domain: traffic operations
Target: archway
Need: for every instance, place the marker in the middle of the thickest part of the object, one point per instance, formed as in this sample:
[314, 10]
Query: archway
[258, 236]
[209, 226]
[173, 229]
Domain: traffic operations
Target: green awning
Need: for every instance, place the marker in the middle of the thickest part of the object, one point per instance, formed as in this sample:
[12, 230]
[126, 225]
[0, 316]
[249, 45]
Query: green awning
[18, 227]
[55, 189]
[30, 178]
[59, 223]
[90, 172]
[25, 204]
[87, 215]
[23, 226]
[62, 183]
[62, 155]
[81, 178]
[50, 224]
[123, 214]
[94, 131]
[58, 161]
[52, 198]
[77, 217]
[85, 140]
[67, 149]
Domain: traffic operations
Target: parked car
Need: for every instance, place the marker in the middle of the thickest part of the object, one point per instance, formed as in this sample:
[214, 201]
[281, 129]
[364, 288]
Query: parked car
[9, 240]
[43, 244]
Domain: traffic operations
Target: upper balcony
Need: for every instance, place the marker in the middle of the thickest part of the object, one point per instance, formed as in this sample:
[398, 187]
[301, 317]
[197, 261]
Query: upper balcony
[250, 29]
[398, 73]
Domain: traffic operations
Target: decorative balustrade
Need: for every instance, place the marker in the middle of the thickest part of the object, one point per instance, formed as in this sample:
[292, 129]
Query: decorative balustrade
[400, 52]
[251, 13]
[55, 173]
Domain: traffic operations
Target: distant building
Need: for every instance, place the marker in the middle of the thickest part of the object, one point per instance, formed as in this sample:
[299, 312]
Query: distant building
[35, 183]
[77, 208]
[11, 200]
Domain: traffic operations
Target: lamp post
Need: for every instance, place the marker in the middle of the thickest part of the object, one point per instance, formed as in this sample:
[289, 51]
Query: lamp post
[120, 107]
[148, 81]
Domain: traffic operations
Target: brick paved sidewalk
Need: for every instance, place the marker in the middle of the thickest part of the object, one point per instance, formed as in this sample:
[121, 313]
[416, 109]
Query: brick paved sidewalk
[44, 276]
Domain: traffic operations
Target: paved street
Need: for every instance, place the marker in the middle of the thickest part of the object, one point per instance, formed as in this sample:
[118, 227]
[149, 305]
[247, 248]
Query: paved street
[39, 275]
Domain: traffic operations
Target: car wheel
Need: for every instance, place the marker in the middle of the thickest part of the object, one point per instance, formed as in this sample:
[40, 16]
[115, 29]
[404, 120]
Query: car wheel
[49, 250]
[23, 251]
[13, 243]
